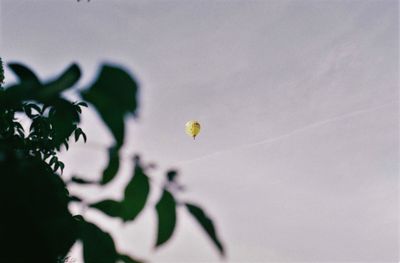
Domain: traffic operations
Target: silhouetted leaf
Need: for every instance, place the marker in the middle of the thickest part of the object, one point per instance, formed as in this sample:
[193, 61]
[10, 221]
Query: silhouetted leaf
[74, 198]
[56, 166]
[128, 259]
[78, 109]
[45, 106]
[28, 110]
[52, 111]
[14, 95]
[135, 197]
[78, 132]
[53, 160]
[79, 180]
[1, 73]
[18, 126]
[66, 144]
[21, 133]
[166, 214]
[171, 175]
[31, 88]
[78, 218]
[109, 207]
[84, 137]
[98, 246]
[65, 81]
[136, 193]
[206, 223]
[82, 103]
[113, 94]
[62, 166]
[24, 73]
[112, 167]
[63, 120]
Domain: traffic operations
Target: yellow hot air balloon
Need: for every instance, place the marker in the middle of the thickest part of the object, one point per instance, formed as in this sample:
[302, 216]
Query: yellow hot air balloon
[192, 128]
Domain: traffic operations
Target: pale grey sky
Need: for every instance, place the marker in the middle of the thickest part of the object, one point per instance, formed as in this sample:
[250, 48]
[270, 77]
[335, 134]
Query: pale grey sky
[298, 157]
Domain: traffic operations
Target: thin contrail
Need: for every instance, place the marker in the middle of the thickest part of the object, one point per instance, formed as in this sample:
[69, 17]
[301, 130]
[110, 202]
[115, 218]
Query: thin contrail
[278, 138]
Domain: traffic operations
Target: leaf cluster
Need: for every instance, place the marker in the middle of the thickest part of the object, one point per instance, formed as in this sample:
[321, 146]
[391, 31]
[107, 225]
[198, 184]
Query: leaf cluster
[35, 197]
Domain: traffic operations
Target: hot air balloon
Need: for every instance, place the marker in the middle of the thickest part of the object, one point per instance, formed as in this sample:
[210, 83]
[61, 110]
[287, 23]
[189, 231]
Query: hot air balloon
[192, 128]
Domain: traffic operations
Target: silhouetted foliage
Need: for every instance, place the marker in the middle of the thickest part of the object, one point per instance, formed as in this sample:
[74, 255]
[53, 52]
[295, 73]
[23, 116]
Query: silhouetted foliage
[36, 224]
[206, 223]
[112, 167]
[1, 72]
[136, 193]
[112, 105]
[166, 213]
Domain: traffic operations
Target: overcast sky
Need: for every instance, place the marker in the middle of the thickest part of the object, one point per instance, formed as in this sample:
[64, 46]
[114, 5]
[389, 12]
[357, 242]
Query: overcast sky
[298, 157]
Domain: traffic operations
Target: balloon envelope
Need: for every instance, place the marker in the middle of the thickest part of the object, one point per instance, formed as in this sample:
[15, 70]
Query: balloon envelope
[192, 128]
